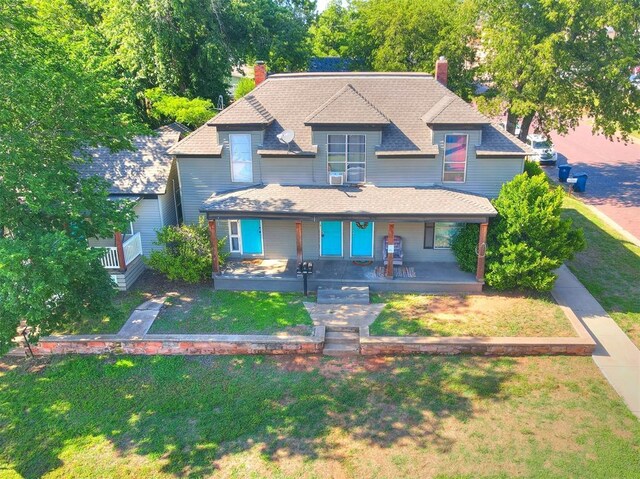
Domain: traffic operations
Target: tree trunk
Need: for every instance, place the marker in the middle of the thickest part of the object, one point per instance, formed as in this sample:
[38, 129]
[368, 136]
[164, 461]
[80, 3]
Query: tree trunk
[524, 128]
[512, 121]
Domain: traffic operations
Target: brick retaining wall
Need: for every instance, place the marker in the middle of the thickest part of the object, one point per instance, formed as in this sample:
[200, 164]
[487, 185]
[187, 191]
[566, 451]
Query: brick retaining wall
[187, 344]
[380, 345]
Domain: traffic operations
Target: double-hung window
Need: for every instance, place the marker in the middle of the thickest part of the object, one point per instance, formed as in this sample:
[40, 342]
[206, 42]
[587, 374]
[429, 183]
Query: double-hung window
[234, 236]
[455, 159]
[346, 155]
[241, 158]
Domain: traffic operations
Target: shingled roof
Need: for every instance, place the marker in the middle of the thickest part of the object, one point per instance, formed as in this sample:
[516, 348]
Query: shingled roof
[347, 107]
[365, 201]
[403, 105]
[141, 171]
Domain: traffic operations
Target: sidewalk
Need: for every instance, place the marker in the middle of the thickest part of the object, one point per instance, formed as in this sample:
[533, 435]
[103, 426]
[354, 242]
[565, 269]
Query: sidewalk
[616, 356]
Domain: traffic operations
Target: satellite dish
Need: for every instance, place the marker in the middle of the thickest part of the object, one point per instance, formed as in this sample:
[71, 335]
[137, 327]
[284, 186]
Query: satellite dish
[286, 137]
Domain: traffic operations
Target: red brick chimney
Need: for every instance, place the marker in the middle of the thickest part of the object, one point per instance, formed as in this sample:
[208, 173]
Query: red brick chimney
[259, 72]
[442, 68]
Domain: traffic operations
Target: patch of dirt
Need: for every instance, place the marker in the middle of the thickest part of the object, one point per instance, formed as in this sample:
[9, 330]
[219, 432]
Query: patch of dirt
[153, 284]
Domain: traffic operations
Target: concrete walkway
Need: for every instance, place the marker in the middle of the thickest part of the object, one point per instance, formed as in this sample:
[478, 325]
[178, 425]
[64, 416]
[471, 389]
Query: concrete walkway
[338, 315]
[141, 319]
[616, 356]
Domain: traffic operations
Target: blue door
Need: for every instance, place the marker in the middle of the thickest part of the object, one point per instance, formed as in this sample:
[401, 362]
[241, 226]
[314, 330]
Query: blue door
[331, 238]
[251, 236]
[362, 238]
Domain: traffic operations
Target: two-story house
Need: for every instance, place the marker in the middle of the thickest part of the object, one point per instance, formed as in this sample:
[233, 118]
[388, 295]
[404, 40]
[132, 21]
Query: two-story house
[368, 175]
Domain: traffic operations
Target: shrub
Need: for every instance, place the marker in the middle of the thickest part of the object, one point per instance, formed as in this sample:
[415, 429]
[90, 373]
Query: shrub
[164, 108]
[528, 239]
[464, 246]
[531, 168]
[186, 254]
[244, 86]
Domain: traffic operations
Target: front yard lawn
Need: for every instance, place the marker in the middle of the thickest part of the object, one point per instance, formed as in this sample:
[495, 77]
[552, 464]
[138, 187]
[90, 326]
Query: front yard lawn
[308, 417]
[205, 310]
[609, 268]
[469, 315]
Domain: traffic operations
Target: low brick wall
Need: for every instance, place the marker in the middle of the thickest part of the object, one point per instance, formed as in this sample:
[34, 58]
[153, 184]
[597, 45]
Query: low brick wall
[580, 345]
[381, 345]
[186, 344]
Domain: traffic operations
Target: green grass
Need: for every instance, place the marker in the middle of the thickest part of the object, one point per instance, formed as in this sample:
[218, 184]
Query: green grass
[168, 417]
[609, 268]
[108, 323]
[210, 311]
[470, 315]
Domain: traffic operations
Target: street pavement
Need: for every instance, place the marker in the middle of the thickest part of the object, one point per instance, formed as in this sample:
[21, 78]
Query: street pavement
[613, 167]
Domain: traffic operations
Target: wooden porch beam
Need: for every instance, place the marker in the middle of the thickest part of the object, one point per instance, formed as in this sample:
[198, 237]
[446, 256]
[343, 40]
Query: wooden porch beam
[482, 250]
[117, 236]
[213, 240]
[391, 243]
[299, 242]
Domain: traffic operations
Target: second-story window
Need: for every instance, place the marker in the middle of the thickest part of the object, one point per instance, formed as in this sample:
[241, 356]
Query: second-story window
[455, 159]
[346, 154]
[241, 158]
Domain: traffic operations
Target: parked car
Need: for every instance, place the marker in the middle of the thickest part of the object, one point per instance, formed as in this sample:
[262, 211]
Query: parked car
[635, 80]
[543, 148]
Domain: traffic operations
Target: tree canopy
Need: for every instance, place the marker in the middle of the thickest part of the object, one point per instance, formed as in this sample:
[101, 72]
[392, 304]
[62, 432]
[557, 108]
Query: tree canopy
[58, 98]
[554, 62]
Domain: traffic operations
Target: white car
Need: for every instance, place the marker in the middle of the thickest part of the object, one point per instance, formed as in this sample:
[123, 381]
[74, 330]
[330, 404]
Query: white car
[543, 150]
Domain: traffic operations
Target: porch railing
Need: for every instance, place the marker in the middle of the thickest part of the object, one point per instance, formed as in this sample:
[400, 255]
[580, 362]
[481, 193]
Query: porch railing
[132, 249]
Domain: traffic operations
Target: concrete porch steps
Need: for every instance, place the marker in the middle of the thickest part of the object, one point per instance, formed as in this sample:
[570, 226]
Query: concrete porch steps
[341, 341]
[343, 295]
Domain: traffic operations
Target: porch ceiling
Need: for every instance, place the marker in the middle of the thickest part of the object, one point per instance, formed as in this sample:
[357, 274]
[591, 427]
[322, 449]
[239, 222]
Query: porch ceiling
[349, 202]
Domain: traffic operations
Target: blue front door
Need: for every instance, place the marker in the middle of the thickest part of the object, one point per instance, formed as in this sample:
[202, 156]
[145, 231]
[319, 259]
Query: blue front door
[331, 238]
[362, 238]
[251, 236]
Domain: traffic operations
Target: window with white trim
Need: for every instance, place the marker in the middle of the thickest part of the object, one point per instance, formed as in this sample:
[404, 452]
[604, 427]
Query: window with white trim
[234, 236]
[455, 159]
[346, 154]
[443, 233]
[241, 158]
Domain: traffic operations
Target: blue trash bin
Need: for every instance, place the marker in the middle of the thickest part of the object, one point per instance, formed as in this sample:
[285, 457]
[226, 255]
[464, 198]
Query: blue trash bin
[581, 184]
[563, 173]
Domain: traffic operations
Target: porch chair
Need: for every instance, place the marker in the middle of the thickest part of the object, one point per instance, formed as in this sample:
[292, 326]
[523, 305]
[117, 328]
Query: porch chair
[398, 254]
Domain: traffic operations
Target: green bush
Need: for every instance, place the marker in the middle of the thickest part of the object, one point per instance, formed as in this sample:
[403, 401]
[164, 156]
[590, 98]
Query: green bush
[531, 168]
[165, 108]
[244, 86]
[527, 241]
[186, 254]
[464, 246]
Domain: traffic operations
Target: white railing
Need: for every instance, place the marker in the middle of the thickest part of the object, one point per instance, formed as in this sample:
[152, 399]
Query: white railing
[110, 258]
[132, 249]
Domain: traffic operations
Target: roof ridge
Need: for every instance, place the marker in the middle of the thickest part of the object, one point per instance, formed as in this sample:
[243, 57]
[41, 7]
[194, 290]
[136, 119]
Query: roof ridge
[437, 108]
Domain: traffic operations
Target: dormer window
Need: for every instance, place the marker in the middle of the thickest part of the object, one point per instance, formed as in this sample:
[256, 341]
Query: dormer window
[241, 158]
[346, 155]
[455, 159]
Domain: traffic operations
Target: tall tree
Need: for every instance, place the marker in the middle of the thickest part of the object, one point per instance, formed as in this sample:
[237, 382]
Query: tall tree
[554, 62]
[402, 35]
[57, 98]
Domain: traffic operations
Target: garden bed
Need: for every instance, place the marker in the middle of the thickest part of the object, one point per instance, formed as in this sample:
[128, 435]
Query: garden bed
[481, 315]
[207, 311]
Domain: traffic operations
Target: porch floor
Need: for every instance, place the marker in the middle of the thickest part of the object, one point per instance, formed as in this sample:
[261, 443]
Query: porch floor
[412, 276]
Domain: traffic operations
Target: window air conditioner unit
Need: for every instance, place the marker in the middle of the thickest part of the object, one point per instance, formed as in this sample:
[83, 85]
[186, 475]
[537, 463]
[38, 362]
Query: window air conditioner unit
[336, 179]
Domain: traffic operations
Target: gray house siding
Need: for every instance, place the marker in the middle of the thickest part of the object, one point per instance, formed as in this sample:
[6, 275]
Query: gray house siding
[167, 201]
[147, 223]
[279, 238]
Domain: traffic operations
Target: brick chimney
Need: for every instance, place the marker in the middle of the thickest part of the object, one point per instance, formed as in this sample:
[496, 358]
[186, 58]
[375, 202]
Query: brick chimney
[259, 72]
[442, 68]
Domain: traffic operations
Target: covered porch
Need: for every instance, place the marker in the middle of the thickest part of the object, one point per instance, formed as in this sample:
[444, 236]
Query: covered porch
[281, 275]
[386, 238]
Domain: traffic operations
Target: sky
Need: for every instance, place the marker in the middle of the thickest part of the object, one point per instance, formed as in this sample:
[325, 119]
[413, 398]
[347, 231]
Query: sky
[322, 4]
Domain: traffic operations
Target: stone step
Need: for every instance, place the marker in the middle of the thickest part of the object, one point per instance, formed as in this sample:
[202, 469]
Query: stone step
[342, 329]
[343, 295]
[344, 337]
[340, 349]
